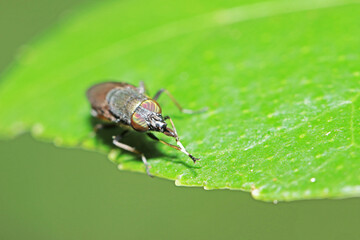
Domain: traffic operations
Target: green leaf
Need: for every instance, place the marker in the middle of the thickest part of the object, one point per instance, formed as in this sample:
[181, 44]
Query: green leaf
[281, 80]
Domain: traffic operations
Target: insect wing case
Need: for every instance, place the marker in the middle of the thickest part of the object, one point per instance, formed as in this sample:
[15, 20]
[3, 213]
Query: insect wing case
[124, 101]
[108, 103]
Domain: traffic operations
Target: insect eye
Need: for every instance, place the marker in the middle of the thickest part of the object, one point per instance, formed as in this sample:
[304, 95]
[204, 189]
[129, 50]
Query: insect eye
[151, 105]
[139, 123]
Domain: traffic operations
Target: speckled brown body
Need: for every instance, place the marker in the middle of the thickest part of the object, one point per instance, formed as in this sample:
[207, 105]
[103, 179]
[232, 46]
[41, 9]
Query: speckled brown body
[124, 101]
[128, 107]
[114, 101]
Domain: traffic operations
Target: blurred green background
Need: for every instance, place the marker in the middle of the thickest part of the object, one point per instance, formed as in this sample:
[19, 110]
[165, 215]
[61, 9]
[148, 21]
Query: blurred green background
[55, 193]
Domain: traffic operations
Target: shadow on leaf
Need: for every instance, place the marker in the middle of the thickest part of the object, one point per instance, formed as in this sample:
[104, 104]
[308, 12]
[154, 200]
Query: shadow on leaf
[134, 139]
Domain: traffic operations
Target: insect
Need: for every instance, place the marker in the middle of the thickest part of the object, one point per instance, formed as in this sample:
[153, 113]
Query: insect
[128, 107]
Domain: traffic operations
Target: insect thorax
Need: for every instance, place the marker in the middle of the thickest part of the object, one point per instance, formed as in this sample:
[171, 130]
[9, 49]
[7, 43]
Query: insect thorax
[123, 102]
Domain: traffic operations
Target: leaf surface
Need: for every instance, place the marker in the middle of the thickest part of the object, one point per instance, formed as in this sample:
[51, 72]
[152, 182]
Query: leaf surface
[280, 78]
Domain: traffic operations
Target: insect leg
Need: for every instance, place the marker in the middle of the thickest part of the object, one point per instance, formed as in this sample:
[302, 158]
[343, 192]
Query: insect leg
[152, 136]
[157, 95]
[180, 147]
[116, 142]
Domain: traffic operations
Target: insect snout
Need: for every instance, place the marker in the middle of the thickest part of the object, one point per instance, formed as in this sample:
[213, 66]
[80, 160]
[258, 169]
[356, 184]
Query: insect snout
[157, 122]
[161, 125]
